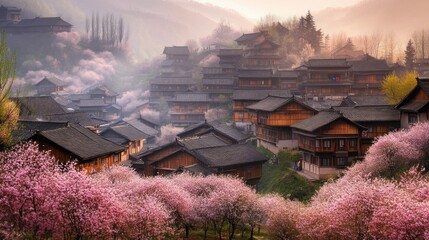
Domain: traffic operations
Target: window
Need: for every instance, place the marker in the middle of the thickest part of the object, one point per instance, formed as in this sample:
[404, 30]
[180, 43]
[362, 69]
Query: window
[412, 118]
[325, 161]
[352, 143]
[341, 161]
[326, 143]
[341, 143]
[317, 144]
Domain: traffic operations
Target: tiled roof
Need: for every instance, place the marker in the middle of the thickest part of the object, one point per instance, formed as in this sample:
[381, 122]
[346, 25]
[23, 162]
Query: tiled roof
[82, 118]
[317, 121]
[327, 63]
[128, 132]
[77, 97]
[91, 103]
[27, 128]
[42, 21]
[103, 89]
[176, 50]
[230, 155]
[364, 101]
[38, 106]
[80, 141]
[371, 65]
[204, 141]
[248, 36]
[269, 104]
[267, 41]
[259, 94]
[56, 81]
[142, 127]
[229, 131]
[423, 84]
[370, 114]
[414, 106]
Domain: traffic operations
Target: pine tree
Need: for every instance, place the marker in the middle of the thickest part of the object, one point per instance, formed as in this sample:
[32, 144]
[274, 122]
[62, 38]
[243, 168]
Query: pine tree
[410, 54]
[312, 35]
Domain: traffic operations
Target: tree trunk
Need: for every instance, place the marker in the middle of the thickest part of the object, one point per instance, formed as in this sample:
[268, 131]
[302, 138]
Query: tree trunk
[231, 235]
[251, 233]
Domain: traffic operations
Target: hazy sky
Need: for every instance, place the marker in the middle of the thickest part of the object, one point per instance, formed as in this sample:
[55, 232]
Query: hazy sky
[255, 9]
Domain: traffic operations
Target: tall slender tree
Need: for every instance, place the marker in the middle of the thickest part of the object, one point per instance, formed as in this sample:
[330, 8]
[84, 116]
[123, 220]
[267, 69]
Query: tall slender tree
[410, 55]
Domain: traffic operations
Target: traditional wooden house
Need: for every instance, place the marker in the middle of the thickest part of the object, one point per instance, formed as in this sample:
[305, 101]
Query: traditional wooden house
[251, 39]
[47, 86]
[415, 106]
[188, 108]
[368, 75]
[228, 134]
[27, 128]
[364, 101]
[326, 77]
[255, 79]
[38, 25]
[273, 117]
[421, 65]
[230, 59]
[329, 142]
[243, 98]
[263, 54]
[167, 87]
[218, 84]
[287, 79]
[203, 153]
[74, 142]
[127, 136]
[103, 92]
[177, 60]
[378, 121]
[142, 127]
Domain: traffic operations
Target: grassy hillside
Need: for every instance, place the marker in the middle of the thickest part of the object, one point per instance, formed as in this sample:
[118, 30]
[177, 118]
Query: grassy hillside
[279, 178]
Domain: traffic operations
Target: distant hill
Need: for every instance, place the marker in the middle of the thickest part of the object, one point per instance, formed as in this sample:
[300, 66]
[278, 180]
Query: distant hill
[397, 16]
[153, 23]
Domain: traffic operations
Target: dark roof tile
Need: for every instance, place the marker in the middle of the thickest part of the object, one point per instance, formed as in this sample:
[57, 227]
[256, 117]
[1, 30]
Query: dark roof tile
[230, 155]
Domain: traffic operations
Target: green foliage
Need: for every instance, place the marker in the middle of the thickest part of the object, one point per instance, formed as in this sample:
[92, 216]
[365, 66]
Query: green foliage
[397, 87]
[279, 178]
[8, 109]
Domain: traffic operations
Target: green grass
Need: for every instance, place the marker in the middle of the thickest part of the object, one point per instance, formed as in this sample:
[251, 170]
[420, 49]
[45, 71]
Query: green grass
[279, 178]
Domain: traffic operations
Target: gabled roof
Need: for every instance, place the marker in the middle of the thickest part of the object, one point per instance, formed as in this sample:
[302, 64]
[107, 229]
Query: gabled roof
[370, 113]
[27, 128]
[194, 169]
[216, 127]
[55, 81]
[414, 106]
[327, 63]
[91, 103]
[204, 141]
[42, 21]
[286, 74]
[82, 118]
[127, 131]
[103, 89]
[176, 50]
[80, 141]
[249, 36]
[271, 103]
[38, 106]
[191, 97]
[370, 66]
[360, 100]
[142, 127]
[230, 155]
[422, 83]
[255, 73]
[320, 120]
[254, 94]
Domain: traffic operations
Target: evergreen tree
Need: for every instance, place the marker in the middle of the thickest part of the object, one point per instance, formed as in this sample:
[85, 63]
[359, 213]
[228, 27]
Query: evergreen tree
[410, 54]
[312, 35]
